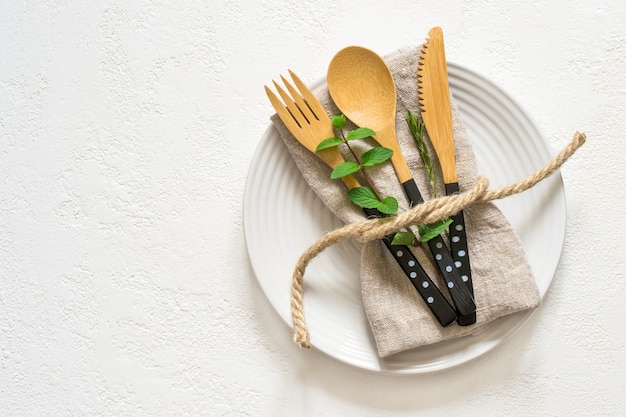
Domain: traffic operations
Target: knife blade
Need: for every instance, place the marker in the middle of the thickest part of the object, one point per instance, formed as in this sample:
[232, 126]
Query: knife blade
[436, 112]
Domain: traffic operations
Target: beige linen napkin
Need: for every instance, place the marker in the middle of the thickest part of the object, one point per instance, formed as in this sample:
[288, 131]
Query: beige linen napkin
[398, 317]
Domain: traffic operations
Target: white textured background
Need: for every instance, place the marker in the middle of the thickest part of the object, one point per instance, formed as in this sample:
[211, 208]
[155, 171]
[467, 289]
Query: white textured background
[126, 132]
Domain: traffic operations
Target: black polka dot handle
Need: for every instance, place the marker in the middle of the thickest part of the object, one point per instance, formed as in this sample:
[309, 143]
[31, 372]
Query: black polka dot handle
[430, 293]
[426, 288]
[461, 296]
[460, 252]
[462, 299]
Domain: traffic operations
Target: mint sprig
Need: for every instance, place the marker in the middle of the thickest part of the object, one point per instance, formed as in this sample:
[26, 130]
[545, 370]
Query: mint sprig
[362, 196]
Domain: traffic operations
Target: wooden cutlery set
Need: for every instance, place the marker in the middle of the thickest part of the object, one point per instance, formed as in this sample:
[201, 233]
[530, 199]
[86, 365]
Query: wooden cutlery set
[362, 87]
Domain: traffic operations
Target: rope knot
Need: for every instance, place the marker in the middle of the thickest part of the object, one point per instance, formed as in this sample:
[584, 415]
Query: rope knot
[427, 212]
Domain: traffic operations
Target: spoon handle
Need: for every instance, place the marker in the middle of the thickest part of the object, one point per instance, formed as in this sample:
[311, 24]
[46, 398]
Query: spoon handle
[459, 292]
[434, 299]
[460, 252]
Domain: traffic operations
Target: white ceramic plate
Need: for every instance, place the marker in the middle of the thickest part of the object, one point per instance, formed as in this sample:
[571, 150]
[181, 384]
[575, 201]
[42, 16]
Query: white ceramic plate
[282, 217]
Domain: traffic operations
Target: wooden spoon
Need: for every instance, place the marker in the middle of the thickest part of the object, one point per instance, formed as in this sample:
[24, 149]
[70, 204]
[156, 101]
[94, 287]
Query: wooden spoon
[362, 87]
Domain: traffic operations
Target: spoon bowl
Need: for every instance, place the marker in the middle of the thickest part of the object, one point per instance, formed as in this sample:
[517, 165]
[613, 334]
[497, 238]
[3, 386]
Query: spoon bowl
[357, 75]
[361, 85]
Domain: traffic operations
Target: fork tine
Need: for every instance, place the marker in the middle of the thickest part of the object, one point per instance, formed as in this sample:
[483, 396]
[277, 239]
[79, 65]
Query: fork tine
[314, 104]
[291, 106]
[308, 134]
[300, 102]
[282, 112]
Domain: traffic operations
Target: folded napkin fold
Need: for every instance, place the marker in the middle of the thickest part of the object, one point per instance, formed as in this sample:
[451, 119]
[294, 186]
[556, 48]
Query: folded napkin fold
[398, 317]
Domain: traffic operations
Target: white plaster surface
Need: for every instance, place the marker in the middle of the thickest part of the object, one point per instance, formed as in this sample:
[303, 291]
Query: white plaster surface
[126, 132]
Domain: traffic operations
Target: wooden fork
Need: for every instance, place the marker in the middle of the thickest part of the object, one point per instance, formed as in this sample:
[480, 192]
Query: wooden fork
[306, 119]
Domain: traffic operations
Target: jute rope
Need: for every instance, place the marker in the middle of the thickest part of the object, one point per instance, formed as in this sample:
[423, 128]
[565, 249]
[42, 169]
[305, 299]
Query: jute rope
[429, 211]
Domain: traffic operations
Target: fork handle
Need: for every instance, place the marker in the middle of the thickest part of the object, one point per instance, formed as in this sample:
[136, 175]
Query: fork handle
[461, 296]
[460, 252]
[434, 299]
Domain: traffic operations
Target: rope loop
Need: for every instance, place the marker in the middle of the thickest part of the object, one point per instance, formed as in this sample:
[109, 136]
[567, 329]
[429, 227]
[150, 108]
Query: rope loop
[428, 212]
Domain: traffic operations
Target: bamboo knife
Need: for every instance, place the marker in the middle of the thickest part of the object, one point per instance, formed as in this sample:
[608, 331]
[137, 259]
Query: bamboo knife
[434, 102]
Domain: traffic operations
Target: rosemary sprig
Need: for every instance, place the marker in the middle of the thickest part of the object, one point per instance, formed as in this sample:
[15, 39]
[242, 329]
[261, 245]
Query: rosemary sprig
[426, 231]
[417, 127]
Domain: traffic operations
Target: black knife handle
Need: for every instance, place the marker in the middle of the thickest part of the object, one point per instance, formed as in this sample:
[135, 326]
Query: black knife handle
[460, 252]
[461, 296]
[426, 288]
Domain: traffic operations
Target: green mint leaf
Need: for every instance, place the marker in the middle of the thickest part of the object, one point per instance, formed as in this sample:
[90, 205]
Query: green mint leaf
[376, 156]
[431, 230]
[360, 133]
[338, 120]
[389, 205]
[364, 197]
[328, 143]
[403, 238]
[343, 169]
